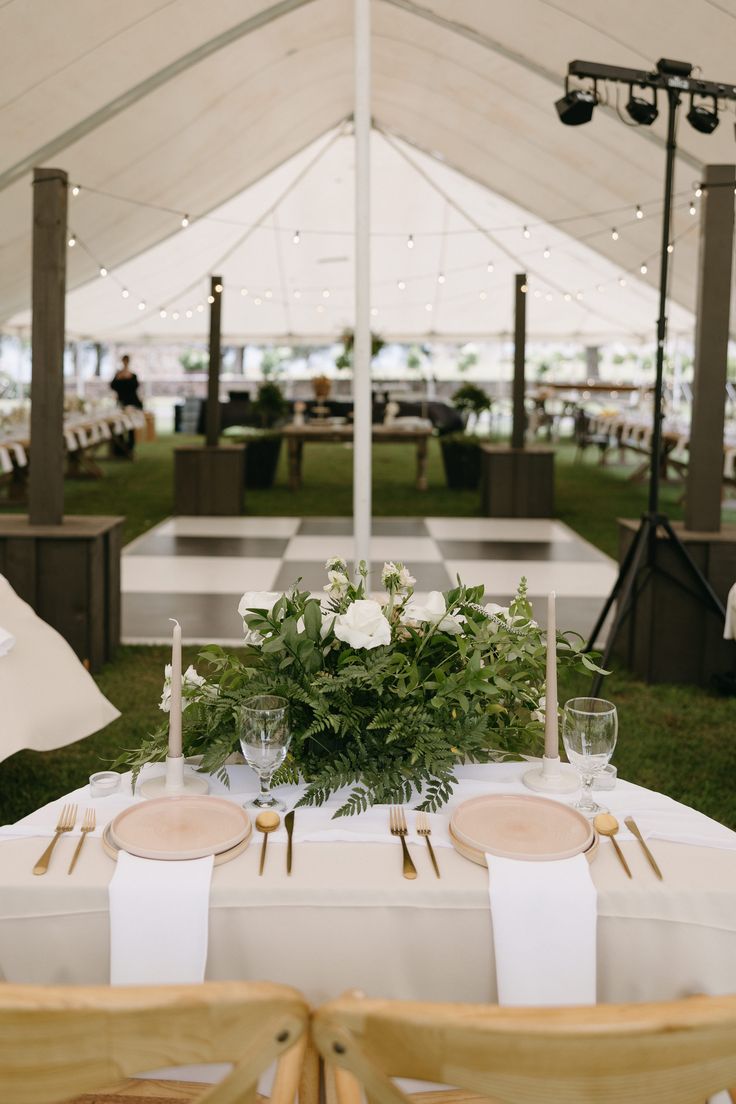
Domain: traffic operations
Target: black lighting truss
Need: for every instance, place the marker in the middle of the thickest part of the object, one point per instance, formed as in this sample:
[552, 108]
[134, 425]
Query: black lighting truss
[674, 79]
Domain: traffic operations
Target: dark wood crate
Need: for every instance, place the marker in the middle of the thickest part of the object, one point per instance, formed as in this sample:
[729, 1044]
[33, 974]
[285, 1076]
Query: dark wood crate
[70, 575]
[517, 482]
[209, 480]
[671, 635]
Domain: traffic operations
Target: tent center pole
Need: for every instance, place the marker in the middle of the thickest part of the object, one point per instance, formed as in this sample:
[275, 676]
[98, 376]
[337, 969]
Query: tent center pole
[362, 395]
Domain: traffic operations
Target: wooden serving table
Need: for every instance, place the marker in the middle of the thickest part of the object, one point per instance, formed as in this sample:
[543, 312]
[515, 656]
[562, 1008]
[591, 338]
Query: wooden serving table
[296, 437]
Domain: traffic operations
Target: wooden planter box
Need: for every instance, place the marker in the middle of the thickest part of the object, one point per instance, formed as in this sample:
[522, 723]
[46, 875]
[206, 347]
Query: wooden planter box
[517, 482]
[670, 635]
[70, 575]
[209, 480]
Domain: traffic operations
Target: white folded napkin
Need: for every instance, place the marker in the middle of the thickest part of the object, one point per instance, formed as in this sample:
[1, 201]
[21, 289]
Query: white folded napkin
[7, 642]
[730, 625]
[159, 914]
[544, 918]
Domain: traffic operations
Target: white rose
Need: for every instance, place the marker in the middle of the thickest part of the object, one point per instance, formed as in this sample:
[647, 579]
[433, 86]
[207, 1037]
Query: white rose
[434, 610]
[363, 625]
[257, 599]
[406, 579]
[494, 610]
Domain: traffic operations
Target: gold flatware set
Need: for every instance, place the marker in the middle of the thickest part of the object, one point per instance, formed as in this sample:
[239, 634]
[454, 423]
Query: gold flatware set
[607, 825]
[399, 827]
[65, 823]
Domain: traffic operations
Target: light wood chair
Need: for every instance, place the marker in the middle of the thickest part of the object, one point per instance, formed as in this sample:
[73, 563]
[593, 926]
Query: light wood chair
[674, 1053]
[57, 1043]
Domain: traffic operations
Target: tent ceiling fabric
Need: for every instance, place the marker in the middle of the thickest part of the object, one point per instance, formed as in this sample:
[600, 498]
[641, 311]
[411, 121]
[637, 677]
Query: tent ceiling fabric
[471, 80]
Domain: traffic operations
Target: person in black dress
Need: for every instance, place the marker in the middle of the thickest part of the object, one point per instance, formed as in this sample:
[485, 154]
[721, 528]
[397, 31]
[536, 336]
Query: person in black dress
[125, 386]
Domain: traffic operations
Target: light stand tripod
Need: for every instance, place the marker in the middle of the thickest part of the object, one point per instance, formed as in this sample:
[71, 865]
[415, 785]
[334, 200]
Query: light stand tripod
[674, 79]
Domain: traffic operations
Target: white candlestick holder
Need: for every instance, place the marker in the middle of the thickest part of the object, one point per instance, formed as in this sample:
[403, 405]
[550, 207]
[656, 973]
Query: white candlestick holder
[178, 779]
[553, 776]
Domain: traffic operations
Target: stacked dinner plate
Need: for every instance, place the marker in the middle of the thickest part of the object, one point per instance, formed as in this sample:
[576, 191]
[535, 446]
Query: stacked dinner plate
[519, 827]
[182, 827]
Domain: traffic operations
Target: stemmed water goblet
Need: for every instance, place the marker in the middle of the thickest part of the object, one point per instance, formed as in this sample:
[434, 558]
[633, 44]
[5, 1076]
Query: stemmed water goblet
[265, 736]
[589, 732]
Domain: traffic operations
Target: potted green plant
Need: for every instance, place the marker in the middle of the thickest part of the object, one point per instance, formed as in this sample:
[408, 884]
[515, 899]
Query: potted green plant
[461, 451]
[262, 441]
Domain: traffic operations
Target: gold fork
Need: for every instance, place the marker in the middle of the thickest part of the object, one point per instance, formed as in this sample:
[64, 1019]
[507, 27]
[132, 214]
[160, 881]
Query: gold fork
[424, 829]
[88, 825]
[65, 824]
[397, 824]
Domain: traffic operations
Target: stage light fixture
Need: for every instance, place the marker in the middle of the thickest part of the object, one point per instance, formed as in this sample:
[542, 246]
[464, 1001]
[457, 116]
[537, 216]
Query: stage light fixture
[703, 118]
[576, 106]
[642, 111]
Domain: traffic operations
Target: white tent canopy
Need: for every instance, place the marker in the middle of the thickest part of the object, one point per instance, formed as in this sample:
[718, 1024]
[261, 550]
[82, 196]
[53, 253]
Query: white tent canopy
[145, 101]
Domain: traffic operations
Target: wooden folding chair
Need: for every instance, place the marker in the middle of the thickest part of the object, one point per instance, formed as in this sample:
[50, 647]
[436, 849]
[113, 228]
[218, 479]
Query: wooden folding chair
[674, 1053]
[57, 1043]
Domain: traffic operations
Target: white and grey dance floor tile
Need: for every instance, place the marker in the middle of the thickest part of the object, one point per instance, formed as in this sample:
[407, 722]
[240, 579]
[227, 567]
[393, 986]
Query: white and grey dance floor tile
[196, 569]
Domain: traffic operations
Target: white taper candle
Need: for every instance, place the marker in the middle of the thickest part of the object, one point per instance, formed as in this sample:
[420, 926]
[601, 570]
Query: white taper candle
[175, 745]
[551, 737]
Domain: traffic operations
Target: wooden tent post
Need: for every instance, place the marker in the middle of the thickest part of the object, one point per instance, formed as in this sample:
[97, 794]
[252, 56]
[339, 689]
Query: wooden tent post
[213, 380]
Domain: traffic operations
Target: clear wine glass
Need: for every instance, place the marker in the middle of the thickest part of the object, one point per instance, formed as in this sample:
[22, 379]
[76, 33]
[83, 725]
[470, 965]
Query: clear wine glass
[589, 732]
[265, 737]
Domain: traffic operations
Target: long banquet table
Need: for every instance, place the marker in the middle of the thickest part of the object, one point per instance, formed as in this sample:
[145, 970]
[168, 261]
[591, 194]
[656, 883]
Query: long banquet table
[346, 917]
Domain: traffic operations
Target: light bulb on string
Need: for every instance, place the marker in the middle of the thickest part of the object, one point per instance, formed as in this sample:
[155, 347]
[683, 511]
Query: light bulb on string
[523, 289]
[325, 293]
[200, 307]
[548, 297]
[218, 288]
[125, 293]
[410, 242]
[72, 241]
[428, 307]
[483, 295]
[297, 237]
[526, 232]
[244, 292]
[401, 285]
[622, 281]
[175, 316]
[210, 299]
[614, 234]
[103, 271]
[489, 266]
[374, 311]
[142, 305]
[162, 313]
[320, 309]
[639, 212]
[693, 208]
[268, 294]
[257, 301]
[643, 268]
[546, 253]
[599, 288]
[537, 294]
[567, 296]
[76, 190]
[698, 192]
[578, 295]
[189, 313]
[441, 278]
[670, 248]
[185, 221]
[297, 293]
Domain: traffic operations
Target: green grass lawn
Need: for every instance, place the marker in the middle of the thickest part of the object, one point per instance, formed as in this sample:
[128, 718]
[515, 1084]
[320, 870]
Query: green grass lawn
[676, 739]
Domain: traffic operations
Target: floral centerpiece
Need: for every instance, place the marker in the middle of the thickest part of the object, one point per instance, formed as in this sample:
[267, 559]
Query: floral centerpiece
[386, 696]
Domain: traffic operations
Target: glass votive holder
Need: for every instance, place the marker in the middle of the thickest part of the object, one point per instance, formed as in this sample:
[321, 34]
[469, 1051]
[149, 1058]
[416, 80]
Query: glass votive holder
[104, 783]
[606, 779]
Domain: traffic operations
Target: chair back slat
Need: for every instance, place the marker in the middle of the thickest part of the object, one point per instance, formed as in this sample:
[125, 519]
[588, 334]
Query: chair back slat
[58, 1043]
[672, 1053]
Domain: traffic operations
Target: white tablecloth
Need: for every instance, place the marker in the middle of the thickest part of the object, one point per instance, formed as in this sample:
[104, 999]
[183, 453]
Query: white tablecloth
[347, 918]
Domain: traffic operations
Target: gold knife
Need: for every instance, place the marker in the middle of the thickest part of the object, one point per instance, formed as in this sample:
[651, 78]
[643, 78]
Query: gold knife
[289, 825]
[631, 825]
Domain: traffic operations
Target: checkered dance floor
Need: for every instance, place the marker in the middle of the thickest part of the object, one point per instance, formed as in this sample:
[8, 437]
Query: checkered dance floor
[195, 569]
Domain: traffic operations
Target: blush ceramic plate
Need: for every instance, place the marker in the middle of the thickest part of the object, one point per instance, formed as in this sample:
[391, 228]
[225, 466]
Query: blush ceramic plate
[184, 827]
[519, 827]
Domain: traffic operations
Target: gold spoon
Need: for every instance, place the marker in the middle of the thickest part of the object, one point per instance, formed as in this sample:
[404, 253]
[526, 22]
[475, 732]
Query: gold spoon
[607, 825]
[266, 822]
